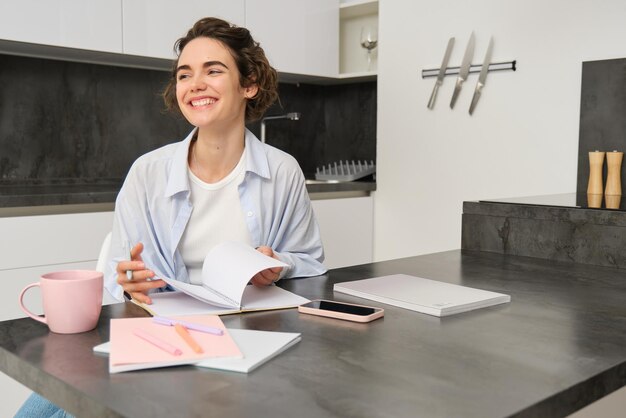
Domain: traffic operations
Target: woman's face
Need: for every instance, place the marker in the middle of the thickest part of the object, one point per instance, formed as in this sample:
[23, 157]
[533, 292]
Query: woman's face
[207, 85]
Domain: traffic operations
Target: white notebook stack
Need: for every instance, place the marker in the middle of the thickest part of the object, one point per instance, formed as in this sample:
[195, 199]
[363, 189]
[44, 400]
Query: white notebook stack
[257, 348]
[422, 295]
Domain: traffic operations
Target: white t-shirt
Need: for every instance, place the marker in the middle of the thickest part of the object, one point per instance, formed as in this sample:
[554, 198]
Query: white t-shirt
[216, 217]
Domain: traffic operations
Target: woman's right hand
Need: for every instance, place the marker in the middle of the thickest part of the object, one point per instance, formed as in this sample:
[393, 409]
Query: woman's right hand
[142, 279]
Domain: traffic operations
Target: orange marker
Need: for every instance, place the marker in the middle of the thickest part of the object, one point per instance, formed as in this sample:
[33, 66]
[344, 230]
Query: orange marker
[182, 331]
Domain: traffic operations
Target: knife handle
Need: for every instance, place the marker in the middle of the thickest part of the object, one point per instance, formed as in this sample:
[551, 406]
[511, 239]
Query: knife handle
[477, 92]
[431, 101]
[457, 90]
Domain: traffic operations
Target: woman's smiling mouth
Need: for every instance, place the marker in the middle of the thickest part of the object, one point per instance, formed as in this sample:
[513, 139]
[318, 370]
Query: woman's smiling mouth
[202, 102]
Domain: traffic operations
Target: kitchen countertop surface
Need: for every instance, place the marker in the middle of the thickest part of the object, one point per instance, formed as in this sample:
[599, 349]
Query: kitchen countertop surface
[567, 200]
[556, 347]
[102, 191]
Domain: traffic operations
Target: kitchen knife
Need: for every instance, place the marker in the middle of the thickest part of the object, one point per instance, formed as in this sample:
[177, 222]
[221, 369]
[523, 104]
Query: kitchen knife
[464, 70]
[482, 77]
[442, 73]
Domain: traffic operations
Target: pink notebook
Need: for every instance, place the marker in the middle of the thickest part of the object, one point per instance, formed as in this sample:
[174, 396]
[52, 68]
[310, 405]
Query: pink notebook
[131, 352]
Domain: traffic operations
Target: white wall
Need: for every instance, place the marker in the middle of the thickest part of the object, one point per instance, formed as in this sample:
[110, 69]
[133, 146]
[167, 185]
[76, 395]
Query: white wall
[523, 137]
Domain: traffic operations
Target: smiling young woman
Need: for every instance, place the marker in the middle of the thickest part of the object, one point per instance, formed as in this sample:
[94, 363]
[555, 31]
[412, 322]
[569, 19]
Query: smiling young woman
[218, 184]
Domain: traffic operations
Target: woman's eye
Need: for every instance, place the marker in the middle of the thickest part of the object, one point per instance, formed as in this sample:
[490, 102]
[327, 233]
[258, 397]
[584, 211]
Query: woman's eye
[214, 71]
[183, 76]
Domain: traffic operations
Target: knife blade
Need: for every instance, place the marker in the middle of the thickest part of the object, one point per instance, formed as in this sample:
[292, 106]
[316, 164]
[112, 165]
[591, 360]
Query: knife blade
[464, 70]
[442, 73]
[482, 77]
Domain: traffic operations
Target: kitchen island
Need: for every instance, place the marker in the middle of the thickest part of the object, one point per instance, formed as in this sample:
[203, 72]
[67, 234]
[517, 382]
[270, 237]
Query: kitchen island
[556, 347]
[561, 227]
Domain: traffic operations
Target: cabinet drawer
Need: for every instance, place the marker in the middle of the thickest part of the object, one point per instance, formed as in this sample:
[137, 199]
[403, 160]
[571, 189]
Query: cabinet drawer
[52, 239]
[346, 226]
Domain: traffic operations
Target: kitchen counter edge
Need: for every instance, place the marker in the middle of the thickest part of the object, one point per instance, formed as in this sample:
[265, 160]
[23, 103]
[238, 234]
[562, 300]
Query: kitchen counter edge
[83, 199]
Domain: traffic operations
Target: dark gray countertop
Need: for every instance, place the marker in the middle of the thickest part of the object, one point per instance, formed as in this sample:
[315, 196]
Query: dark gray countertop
[556, 347]
[567, 200]
[57, 194]
[558, 210]
[15, 194]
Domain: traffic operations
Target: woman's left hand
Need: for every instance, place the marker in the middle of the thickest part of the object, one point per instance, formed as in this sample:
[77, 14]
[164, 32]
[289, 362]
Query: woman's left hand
[268, 276]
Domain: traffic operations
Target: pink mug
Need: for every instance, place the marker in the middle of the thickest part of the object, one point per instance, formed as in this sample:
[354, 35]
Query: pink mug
[72, 300]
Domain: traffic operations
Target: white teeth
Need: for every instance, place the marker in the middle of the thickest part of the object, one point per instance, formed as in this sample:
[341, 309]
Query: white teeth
[202, 102]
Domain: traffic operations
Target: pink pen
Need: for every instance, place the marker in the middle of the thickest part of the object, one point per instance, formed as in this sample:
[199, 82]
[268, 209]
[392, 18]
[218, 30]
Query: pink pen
[189, 325]
[165, 346]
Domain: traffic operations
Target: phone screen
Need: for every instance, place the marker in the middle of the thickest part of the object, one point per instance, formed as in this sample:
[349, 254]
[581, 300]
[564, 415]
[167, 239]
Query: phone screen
[340, 307]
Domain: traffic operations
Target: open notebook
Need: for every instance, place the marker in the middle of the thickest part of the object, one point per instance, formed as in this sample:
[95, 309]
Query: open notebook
[257, 348]
[226, 271]
[427, 296]
[254, 298]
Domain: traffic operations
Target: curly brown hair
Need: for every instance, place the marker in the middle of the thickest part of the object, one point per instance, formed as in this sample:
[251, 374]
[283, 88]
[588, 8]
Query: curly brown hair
[253, 66]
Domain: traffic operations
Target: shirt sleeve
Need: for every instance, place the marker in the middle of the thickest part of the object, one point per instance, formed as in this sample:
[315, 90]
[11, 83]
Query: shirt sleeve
[119, 239]
[131, 224]
[299, 242]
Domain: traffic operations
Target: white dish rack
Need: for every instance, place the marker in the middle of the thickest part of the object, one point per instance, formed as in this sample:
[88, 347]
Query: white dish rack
[345, 170]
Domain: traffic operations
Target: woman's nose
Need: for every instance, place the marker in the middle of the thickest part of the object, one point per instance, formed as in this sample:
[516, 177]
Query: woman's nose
[197, 83]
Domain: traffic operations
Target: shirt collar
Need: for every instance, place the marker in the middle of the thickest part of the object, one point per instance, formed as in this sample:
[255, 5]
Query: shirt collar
[256, 162]
[256, 158]
[178, 179]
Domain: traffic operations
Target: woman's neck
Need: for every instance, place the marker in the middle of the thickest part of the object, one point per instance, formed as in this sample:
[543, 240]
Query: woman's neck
[213, 155]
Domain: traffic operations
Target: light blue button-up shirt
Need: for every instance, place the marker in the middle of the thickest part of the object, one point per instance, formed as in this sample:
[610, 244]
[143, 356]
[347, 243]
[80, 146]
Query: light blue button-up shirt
[153, 207]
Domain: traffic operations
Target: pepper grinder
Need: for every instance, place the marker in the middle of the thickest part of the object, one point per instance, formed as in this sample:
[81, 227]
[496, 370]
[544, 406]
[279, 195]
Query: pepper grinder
[594, 200]
[614, 173]
[596, 160]
[612, 202]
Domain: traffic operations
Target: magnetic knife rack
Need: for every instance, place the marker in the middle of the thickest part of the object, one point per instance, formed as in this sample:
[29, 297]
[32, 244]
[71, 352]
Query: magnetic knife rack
[474, 68]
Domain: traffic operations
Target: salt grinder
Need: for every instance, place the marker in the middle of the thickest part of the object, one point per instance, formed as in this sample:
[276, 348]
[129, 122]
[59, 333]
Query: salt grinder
[614, 173]
[596, 160]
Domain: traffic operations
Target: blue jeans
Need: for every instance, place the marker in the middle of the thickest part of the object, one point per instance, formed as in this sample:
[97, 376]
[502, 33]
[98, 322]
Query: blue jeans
[38, 407]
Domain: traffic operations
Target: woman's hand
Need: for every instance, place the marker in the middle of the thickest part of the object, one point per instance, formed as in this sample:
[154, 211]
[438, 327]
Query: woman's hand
[142, 278]
[268, 276]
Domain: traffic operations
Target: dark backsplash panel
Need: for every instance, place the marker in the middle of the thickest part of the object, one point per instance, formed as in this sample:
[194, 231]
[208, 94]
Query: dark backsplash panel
[602, 115]
[65, 121]
[336, 123]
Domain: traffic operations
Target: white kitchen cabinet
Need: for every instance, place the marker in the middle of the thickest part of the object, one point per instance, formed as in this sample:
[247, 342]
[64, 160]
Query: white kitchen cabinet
[302, 38]
[13, 395]
[298, 36]
[30, 241]
[32, 246]
[152, 26]
[93, 25]
[346, 225]
[355, 15]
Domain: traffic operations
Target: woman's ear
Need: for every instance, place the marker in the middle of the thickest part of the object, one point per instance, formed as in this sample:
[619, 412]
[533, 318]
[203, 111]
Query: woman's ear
[251, 91]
